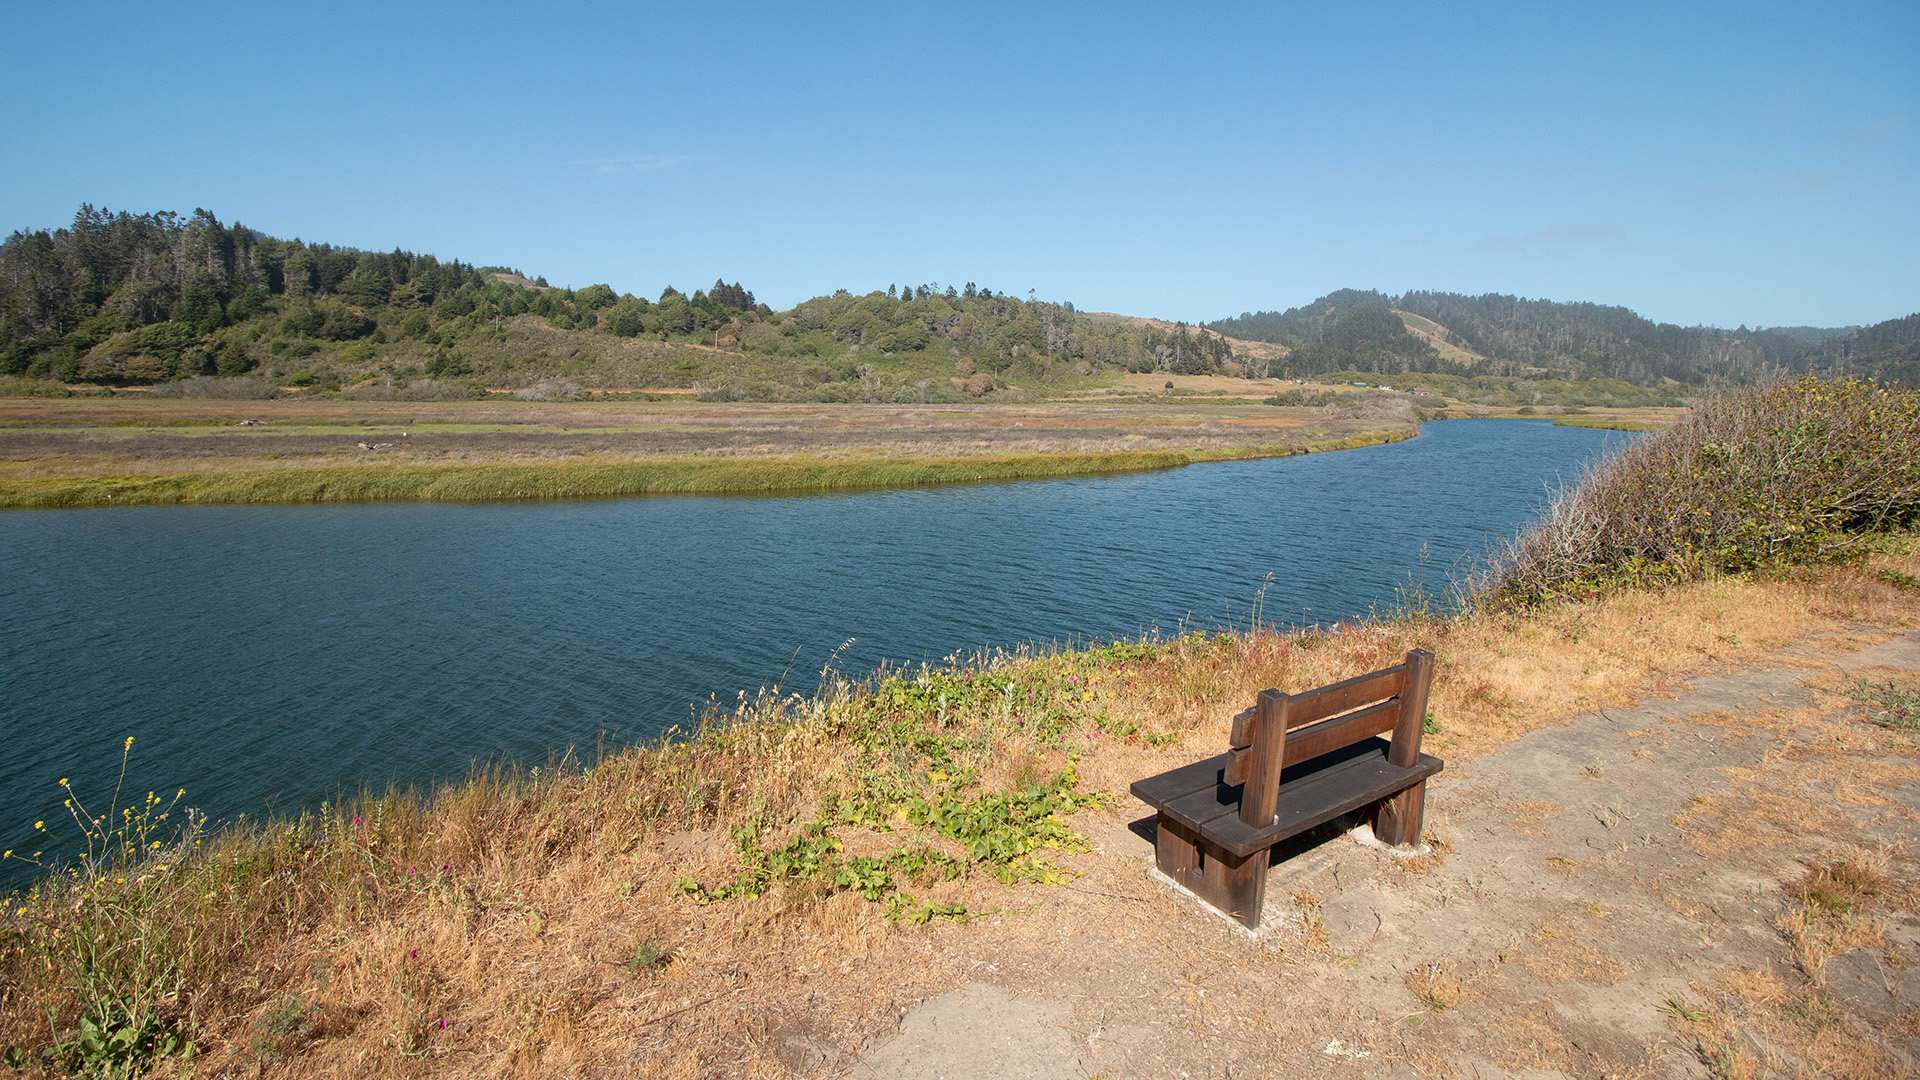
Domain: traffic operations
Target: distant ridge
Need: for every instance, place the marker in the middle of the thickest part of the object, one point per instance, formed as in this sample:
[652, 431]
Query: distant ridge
[1494, 334]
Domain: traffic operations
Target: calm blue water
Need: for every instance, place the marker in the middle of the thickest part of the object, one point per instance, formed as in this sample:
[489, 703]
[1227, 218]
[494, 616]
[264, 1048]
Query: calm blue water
[267, 657]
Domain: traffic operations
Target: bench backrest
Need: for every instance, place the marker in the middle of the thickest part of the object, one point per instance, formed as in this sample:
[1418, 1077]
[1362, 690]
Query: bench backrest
[1290, 728]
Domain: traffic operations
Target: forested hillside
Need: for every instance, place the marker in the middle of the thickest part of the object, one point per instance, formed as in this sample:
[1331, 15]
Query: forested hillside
[120, 299]
[132, 299]
[1888, 350]
[1506, 335]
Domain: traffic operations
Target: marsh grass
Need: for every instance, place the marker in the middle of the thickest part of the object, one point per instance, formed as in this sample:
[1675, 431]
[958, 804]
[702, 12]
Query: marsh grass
[376, 483]
[560, 480]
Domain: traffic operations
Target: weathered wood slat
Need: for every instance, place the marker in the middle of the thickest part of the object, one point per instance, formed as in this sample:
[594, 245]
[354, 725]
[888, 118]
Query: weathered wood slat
[1316, 739]
[1239, 766]
[1335, 698]
[1329, 700]
[1242, 732]
[1157, 791]
[1329, 735]
[1198, 808]
[1337, 780]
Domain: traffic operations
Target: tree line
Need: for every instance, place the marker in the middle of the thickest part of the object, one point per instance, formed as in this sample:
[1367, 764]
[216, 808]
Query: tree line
[124, 298]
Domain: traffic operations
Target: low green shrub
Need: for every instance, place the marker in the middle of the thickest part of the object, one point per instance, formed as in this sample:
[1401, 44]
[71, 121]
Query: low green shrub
[22, 386]
[1890, 703]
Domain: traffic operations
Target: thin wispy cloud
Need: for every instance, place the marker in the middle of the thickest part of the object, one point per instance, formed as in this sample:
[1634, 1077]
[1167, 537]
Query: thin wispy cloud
[1880, 132]
[1790, 181]
[1797, 180]
[621, 166]
[1557, 238]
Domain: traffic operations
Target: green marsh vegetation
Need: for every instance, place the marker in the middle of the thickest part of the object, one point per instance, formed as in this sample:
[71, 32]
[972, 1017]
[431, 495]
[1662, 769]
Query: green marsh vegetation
[315, 478]
[1607, 425]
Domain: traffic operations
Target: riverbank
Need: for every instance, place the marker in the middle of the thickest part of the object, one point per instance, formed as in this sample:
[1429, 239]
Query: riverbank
[88, 452]
[764, 897]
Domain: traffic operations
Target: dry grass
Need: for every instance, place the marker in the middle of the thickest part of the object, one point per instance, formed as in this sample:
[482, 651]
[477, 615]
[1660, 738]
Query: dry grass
[1435, 985]
[492, 927]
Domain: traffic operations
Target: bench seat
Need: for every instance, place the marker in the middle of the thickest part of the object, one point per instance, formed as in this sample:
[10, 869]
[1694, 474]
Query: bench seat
[1312, 792]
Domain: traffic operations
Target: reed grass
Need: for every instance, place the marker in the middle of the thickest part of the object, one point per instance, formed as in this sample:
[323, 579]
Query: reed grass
[573, 480]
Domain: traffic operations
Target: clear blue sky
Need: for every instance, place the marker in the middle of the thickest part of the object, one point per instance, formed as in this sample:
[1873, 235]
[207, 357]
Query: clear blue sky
[1717, 164]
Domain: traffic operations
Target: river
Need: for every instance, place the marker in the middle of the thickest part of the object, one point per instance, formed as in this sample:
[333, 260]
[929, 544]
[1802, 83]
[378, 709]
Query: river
[265, 658]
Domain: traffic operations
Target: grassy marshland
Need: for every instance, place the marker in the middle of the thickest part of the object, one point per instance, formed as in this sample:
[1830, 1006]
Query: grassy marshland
[1606, 425]
[539, 921]
[563, 480]
[132, 452]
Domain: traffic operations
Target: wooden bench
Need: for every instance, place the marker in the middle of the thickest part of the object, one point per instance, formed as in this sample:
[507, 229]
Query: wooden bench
[1297, 761]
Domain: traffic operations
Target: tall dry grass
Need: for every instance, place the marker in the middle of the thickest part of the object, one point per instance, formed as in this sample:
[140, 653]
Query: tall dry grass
[1796, 472]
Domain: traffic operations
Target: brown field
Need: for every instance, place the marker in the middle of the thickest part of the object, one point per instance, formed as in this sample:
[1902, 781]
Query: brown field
[94, 437]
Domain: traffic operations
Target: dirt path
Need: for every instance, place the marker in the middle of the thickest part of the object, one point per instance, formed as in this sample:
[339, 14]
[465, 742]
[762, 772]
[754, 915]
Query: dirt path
[1628, 895]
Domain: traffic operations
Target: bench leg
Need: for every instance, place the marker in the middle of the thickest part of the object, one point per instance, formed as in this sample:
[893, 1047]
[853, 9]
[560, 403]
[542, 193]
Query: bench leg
[1240, 886]
[1176, 851]
[1235, 886]
[1397, 821]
